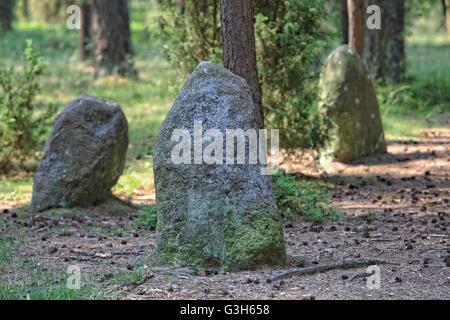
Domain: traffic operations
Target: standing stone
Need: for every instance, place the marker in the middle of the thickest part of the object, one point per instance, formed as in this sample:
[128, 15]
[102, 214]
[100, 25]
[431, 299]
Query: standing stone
[84, 156]
[347, 97]
[214, 215]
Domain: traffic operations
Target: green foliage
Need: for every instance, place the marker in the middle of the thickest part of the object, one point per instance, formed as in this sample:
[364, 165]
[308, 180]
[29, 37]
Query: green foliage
[422, 95]
[47, 10]
[303, 199]
[126, 278]
[41, 284]
[5, 250]
[417, 9]
[147, 217]
[289, 38]
[55, 290]
[191, 32]
[23, 120]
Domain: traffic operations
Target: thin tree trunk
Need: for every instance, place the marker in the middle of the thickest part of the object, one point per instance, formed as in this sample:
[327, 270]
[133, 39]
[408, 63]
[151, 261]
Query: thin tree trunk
[6, 14]
[375, 43]
[113, 53]
[181, 6]
[344, 21]
[356, 25]
[239, 53]
[25, 9]
[384, 49]
[85, 32]
[396, 65]
[446, 9]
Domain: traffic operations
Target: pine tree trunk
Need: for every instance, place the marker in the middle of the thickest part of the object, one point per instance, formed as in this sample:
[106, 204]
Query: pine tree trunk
[25, 9]
[113, 53]
[446, 7]
[384, 52]
[239, 53]
[344, 21]
[6, 14]
[375, 43]
[396, 62]
[85, 32]
[356, 25]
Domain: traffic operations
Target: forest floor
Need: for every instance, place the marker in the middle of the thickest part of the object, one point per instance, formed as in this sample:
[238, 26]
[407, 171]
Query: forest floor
[396, 210]
[396, 206]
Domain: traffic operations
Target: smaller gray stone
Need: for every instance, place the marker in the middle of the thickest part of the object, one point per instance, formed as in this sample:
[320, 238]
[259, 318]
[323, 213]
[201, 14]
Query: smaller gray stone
[84, 156]
[347, 97]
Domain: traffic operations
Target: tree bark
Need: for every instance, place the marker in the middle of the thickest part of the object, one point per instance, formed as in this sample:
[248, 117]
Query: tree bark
[113, 53]
[344, 21]
[375, 43]
[239, 53]
[356, 25]
[396, 62]
[85, 32]
[384, 49]
[25, 9]
[446, 10]
[6, 14]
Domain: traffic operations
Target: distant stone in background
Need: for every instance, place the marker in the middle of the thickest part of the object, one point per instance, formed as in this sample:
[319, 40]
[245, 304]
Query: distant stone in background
[220, 216]
[84, 156]
[347, 96]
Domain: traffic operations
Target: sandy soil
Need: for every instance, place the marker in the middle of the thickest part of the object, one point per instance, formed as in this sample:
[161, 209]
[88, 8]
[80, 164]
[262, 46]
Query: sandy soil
[397, 211]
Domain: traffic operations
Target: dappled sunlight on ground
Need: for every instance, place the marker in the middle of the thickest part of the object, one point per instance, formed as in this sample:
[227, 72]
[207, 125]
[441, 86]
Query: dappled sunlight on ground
[413, 177]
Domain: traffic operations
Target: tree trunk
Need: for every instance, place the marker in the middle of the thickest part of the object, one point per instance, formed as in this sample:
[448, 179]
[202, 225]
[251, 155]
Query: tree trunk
[344, 21]
[396, 62]
[25, 9]
[85, 32]
[239, 53]
[356, 25]
[384, 49]
[6, 14]
[375, 43]
[446, 9]
[113, 53]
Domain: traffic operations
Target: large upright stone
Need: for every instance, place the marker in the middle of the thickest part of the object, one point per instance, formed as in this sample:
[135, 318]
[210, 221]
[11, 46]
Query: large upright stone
[84, 156]
[347, 96]
[214, 215]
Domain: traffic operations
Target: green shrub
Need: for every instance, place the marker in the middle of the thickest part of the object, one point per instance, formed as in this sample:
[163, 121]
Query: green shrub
[289, 35]
[303, 199]
[23, 120]
[47, 10]
[190, 31]
[290, 38]
[425, 94]
[147, 217]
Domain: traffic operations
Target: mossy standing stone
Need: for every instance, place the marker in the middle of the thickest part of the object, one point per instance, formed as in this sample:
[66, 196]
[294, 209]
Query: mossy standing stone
[214, 216]
[347, 97]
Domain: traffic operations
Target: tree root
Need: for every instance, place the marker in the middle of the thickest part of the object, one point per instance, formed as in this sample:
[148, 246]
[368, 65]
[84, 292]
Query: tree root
[343, 265]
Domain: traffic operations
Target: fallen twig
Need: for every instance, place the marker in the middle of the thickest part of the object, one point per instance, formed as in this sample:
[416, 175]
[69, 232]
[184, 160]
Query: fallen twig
[344, 264]
[362, 275]
[177, 272]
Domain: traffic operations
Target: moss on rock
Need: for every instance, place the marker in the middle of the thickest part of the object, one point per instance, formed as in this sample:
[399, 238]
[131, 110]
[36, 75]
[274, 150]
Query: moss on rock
[260, 241]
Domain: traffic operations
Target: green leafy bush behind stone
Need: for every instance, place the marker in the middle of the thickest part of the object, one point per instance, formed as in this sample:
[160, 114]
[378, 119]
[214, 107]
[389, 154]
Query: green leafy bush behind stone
[303, 199]
[289, 36]
[23, 119]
